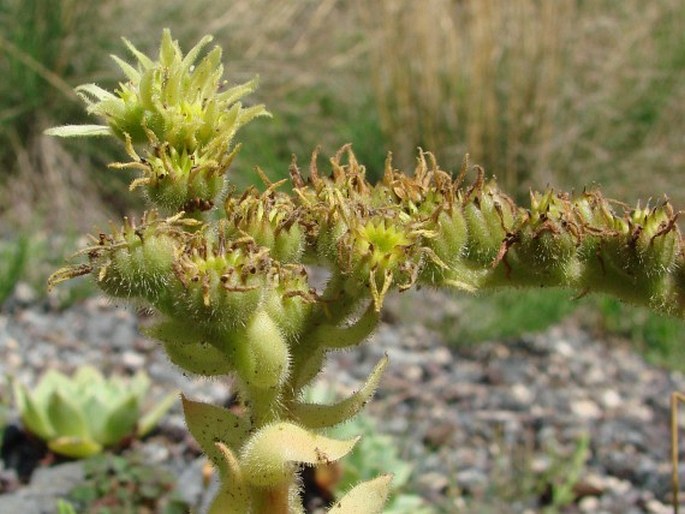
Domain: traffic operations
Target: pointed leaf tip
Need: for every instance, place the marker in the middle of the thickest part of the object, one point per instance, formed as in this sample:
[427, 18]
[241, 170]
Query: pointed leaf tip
[368, 497]
[315, 415]
[233, 496]
[210, 424]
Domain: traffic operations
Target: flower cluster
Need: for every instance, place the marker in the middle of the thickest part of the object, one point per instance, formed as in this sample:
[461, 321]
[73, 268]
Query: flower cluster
[184, 116]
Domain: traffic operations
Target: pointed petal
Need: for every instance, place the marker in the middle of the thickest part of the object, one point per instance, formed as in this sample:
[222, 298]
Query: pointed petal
[192, 54]
[131, 73]
[93, 91]
[79, 131]
[142, 58]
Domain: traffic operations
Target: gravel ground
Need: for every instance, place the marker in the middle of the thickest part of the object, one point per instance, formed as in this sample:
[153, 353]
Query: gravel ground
[491, 428]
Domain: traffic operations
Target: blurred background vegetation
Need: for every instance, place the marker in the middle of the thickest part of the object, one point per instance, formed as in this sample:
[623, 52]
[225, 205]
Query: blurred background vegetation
[567, 93]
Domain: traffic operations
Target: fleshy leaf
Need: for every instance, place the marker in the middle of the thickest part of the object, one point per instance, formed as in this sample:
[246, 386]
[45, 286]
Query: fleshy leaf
[368, 497]
[79, 131]
[95, 410]
[32, 415]
[94, 91]
[315, 415]
[210, 424]
[271, 453]
[150, 420]
[188, 349]
[87, 377]
[76, 447]
[120, 421]
[201, 358]
[52, 380]
[233, 496]
[65, 417]
[139, 384]
[345, 337]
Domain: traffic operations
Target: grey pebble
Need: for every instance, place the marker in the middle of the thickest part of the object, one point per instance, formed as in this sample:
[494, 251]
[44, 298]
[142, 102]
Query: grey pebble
[470, 419]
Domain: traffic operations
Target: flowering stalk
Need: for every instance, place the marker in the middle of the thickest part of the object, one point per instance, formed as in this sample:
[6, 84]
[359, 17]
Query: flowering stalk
[232, 292]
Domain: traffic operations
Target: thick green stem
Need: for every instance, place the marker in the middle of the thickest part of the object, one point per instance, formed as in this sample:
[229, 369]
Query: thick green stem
[265, 405]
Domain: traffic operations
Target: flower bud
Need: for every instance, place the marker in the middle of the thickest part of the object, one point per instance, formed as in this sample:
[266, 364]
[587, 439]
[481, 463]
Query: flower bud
[290, 300]
[379, 252]
[546, 239]
[222, 283]
[136, 261]
[489, 216]
[269, 219]
[176, 107]
[447, 243]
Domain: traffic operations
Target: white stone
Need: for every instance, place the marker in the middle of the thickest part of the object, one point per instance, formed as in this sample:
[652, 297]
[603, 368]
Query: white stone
[611, 399]
[522, 394]
[563, 348]
[132, 360]
[586, 409]
[656, 507]
[589, 504]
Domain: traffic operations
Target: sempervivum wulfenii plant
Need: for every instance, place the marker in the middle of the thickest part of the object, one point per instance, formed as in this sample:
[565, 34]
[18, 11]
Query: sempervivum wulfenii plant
[232, 293]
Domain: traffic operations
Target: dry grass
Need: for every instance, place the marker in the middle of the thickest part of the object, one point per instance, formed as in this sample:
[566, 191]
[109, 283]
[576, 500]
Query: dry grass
[54, 45]
[562, 92]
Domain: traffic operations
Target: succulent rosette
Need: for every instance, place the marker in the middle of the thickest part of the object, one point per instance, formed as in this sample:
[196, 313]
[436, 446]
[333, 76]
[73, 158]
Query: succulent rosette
[81, 415]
